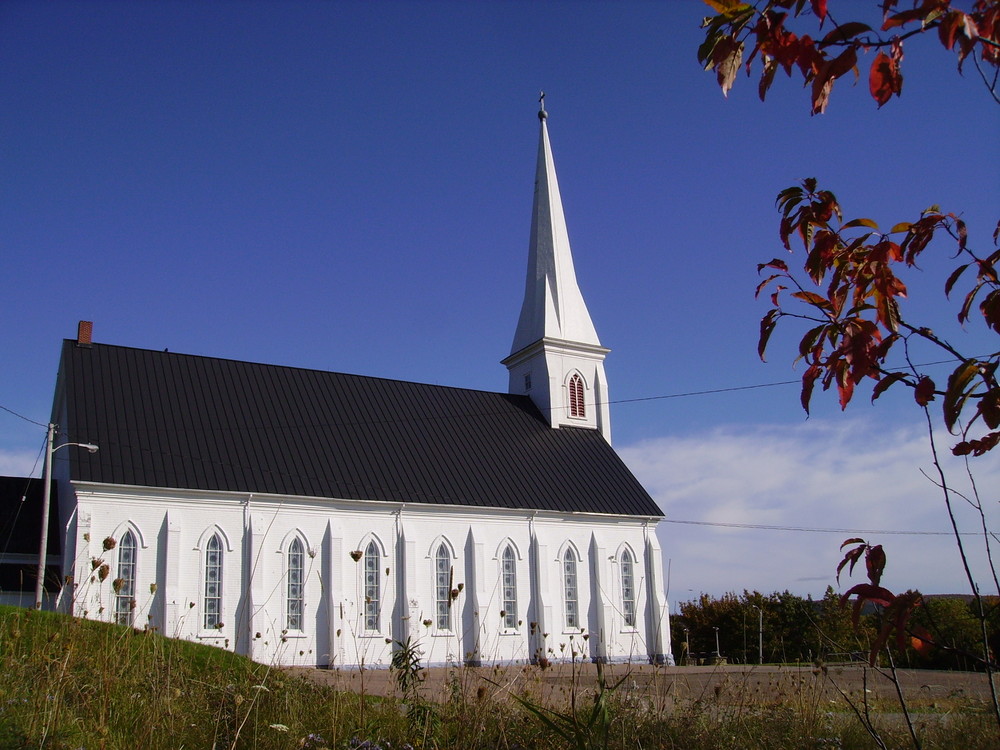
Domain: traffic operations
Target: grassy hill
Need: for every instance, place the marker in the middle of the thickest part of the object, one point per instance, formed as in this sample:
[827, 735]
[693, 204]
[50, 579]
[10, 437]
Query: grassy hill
[67, 683]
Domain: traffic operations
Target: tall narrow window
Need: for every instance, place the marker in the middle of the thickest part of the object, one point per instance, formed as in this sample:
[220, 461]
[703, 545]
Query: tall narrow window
[213, 583]
[296, 576]
[570, 590]
[125, 582]
[628, 589]
[372, 587]
[509, 589]
[576, 404]
[442, 588]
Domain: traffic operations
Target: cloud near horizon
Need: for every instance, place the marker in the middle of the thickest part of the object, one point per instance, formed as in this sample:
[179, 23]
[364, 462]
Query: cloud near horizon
[845, 474]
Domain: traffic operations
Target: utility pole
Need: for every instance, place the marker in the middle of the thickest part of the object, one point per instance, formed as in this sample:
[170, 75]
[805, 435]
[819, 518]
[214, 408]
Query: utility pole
[46, 503]
[760, 632]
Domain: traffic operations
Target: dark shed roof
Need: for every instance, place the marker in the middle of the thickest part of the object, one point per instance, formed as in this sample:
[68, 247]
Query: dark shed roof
[21, 517]
[173, 420]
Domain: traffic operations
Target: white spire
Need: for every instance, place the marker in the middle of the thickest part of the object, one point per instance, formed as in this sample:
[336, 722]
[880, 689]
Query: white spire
[556, 358]
[553, 305]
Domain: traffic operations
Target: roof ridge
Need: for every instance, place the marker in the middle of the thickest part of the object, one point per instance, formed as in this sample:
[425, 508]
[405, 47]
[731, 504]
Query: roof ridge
[300, 368]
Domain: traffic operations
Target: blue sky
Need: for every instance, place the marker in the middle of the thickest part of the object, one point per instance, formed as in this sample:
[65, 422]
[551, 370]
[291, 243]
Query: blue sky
[347, 186]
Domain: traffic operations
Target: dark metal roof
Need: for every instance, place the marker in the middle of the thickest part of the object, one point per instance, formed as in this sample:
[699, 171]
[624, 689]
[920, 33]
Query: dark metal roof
[21, 517]
[173, 420]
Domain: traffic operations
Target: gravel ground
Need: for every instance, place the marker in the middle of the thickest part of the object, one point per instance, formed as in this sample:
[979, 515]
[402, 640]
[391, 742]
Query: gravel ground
[724, 684]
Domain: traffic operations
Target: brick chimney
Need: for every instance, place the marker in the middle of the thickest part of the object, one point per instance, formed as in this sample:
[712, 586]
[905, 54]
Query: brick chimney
[84, 331]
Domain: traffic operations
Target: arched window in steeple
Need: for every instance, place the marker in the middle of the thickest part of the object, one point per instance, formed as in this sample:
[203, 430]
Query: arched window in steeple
[576, 403]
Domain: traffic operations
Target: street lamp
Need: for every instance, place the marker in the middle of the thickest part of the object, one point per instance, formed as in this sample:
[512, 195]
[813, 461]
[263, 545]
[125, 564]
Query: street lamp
[718, 651]
[760, 632]
[687, 647]
[46, 493]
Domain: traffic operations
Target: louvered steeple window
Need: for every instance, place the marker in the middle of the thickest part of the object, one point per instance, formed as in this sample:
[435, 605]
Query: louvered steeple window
[576, 404]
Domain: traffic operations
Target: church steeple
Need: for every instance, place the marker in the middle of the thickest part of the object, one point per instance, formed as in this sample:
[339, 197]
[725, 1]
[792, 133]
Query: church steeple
[556, 357]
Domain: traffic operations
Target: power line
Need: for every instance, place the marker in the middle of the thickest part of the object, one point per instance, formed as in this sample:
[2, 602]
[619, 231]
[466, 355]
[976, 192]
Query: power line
[21, 416]
[811, 530]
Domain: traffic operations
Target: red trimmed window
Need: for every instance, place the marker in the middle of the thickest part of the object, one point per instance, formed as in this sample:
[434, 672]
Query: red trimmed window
[576, 406]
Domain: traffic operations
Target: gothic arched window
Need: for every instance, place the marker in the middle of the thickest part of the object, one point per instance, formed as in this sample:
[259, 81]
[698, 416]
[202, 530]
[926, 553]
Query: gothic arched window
[372, 587]
[294, 597]
[509, 573]
[628, 588]
[442, 588]
[576, 403]
[124, 584]
[213, 584]
[570, 593]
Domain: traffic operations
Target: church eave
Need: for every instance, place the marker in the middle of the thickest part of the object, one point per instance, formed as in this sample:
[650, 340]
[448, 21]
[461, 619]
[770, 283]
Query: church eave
[549, 343]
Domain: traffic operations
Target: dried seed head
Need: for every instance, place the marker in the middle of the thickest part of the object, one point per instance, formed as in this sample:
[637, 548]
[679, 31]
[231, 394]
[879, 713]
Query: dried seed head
[356, 555]
[109, 543]
[103, 571]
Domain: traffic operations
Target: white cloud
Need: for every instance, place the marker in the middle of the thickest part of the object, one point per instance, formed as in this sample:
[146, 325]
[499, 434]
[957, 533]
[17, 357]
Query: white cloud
[19, 463]
[830, 474]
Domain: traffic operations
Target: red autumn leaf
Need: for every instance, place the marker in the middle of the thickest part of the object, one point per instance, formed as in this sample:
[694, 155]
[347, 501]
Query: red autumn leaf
[727, 57]
[767, 324]
[949, 27]
[845, 391]
[808, 381]
[903, 18]
[875, 563]
[962, 449]
[958, 391]
[819, 8]
[851, 557]
[883, 384]
[844, 33]
[950, 283]
[884, 79]
[924, 392]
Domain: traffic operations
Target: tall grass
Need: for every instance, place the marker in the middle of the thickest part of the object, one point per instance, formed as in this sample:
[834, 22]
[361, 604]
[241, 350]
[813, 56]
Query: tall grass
[68, 683]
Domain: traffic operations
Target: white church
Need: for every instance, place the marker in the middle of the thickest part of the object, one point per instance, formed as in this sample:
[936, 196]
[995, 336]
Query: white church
[317, 518]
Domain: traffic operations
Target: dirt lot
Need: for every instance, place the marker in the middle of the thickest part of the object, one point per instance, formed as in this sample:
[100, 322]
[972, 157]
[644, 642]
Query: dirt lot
[725, 684]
